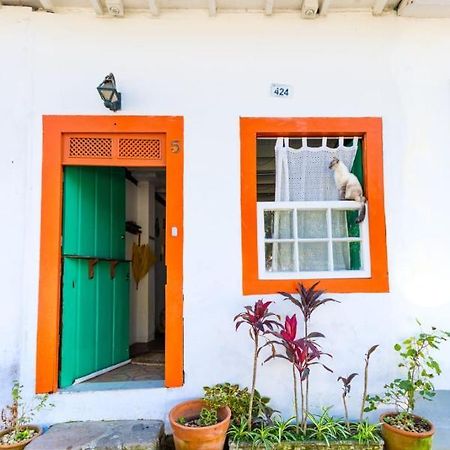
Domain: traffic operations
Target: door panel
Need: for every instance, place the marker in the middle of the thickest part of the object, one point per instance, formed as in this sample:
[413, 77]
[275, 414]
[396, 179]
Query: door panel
[94, 212]
[95, 311]
[121, 314]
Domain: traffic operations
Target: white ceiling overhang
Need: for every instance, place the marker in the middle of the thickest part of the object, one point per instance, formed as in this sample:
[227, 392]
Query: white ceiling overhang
[305, 8]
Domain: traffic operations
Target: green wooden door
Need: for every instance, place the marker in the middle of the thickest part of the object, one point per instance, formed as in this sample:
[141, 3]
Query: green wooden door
[95, 311]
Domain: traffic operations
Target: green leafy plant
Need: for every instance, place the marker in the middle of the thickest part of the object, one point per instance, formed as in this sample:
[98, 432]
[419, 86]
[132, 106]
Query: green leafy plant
[239, 432]
[285, 430]
[238, 400]
[208, 417]
[182, 420]
[324, 427]
[365, 432]
[17, 415]
[420, 368]
[266, 435]
[263, 436]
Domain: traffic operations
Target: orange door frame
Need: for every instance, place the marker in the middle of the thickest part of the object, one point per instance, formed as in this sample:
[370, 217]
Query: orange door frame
[48, 331]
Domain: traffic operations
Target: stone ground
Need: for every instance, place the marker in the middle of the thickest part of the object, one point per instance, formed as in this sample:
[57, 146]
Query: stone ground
[102, 435]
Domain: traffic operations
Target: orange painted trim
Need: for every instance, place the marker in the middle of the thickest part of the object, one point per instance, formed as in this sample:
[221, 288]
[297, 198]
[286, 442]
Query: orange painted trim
[48, 330]
[370, 128]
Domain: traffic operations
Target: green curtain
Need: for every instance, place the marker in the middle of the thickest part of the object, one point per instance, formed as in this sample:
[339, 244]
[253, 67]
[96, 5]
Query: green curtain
[353, 228]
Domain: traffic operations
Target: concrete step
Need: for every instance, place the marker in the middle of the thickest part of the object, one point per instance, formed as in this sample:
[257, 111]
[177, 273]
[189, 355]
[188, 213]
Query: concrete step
[104, 435]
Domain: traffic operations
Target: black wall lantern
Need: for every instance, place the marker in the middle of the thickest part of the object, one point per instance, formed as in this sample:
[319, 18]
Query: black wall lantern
[108, 92]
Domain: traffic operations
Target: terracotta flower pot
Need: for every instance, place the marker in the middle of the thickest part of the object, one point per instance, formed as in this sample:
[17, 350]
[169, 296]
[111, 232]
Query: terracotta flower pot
[20, 445]
[198, 438]
[396, 439]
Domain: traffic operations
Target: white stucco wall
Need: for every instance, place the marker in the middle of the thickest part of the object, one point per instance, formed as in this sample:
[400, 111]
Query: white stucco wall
[211, 71]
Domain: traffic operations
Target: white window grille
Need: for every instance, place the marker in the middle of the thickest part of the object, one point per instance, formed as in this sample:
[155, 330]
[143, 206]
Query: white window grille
[310, 239]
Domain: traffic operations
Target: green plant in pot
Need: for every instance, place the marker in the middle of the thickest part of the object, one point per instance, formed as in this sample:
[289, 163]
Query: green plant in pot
[402, 429]
[305, 430]
[16, 420]
[199, 426]
[238, 400]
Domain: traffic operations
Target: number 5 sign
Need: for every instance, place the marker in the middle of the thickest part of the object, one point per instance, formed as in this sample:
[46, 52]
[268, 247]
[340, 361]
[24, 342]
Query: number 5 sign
[281, 90]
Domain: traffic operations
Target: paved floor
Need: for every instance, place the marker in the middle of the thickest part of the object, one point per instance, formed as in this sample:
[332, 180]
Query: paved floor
[132, 372]
[147, 363]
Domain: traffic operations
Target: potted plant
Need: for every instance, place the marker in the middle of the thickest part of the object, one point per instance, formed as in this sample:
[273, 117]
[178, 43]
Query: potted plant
[196, 425]
[323, 432]
[305, 431]
[238, 400]
[402, 429]
[203, 424]
[16, 419]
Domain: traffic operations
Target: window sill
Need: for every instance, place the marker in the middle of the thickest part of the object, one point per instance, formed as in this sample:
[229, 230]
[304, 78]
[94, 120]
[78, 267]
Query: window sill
[344, 274]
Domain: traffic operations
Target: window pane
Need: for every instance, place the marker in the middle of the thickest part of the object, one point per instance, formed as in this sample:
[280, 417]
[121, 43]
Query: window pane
[279, 257]
[339, 224]
[278, 224]
[313, 256]
[312, 224]
[347, 255]
[343, 223]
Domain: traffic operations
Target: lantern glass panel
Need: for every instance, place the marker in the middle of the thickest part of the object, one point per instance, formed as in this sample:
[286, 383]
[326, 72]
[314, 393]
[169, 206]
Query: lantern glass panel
[114, 97]
[105, 93]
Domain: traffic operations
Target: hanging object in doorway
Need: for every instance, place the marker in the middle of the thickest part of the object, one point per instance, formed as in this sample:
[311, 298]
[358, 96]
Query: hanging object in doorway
[141, 261]
[132, 227]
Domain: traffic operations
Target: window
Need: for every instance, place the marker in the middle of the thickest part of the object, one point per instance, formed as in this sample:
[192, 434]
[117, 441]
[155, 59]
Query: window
[294, 226]
[313, 242]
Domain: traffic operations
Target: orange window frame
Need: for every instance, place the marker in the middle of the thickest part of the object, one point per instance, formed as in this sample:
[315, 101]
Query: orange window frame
[370, 128]
[48, 327]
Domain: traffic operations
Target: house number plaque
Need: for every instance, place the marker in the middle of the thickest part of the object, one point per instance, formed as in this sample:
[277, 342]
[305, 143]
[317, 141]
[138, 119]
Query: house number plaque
[281, 90]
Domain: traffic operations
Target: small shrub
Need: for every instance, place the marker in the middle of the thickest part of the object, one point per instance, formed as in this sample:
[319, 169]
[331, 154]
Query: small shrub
[17, 415]
[238, 400]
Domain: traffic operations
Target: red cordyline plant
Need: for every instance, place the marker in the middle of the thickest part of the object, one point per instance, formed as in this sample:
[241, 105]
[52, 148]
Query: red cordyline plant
[309, 299]
[261, 321]
[346, 387]
[301, 353]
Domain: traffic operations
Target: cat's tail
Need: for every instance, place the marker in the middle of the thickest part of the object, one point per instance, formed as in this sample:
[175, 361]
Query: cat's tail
[362, 211]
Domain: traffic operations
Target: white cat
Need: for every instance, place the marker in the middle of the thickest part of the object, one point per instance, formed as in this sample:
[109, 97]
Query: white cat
[349, 186]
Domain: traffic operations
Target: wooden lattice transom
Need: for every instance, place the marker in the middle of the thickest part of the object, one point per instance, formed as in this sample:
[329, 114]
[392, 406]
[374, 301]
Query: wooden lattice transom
[90, 147]
[140, 148]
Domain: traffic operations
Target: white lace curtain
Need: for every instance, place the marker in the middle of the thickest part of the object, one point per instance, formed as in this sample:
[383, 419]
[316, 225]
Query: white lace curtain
[303, 175]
